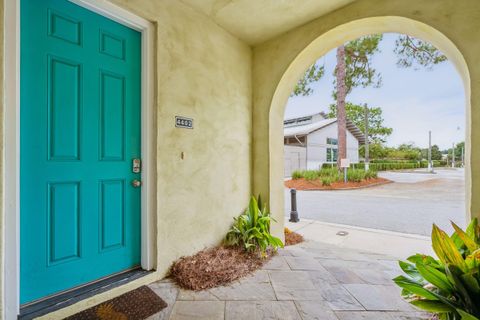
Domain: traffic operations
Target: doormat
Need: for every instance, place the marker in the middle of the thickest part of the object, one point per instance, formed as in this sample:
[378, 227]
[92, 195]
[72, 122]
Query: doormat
[134, 305]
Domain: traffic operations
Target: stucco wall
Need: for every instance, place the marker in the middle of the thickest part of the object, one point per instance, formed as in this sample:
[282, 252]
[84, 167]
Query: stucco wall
[1, 158]
[202, 72]
[279, 62]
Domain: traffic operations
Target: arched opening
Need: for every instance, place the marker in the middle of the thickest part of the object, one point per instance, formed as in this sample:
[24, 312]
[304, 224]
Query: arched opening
[332, 39]
[410, 95]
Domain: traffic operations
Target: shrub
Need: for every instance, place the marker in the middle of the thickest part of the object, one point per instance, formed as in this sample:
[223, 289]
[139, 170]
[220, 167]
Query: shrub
[355, 175]
[371, 174]
[311, 174]
[327, 181]
[329, 165]
[297, 174]
[252, 229]
[450, 286]
[328, 172]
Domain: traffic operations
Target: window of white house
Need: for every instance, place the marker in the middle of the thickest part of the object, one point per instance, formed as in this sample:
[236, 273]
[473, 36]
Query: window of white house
[332, 141]
[332, 154]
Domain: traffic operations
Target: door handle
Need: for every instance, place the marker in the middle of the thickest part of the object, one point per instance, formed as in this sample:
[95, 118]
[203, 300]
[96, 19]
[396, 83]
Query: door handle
[136, 183]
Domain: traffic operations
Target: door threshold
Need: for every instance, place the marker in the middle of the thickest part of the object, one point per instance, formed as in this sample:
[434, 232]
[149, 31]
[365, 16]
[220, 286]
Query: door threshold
[67, 298]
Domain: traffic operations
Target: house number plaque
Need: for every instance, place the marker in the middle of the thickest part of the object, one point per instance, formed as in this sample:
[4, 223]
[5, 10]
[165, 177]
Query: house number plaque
[182, 122]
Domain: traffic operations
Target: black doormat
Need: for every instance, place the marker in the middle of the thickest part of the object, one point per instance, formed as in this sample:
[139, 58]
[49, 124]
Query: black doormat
[134, 305]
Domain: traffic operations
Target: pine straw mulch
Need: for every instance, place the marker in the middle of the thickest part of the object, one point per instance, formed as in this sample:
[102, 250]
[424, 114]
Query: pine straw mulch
[302, 184]
[292, 238]
[214, 267]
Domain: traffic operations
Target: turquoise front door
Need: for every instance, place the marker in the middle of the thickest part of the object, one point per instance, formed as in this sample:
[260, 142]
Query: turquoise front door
[79, 132]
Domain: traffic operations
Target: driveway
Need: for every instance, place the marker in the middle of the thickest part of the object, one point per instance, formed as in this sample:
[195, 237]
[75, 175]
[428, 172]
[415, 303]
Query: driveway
[409, 205]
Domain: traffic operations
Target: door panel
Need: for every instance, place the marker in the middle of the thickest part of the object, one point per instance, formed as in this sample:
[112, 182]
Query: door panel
[80, 129]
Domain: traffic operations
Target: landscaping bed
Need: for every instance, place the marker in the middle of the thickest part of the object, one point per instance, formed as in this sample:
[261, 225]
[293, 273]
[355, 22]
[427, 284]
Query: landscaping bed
[247, 246]
[333, 179]
[222, 265]
[292, 238]
[214, 267]
[303, 184]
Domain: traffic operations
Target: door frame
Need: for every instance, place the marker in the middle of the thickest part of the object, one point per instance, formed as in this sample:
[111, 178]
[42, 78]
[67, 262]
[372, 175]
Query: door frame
[10, 291]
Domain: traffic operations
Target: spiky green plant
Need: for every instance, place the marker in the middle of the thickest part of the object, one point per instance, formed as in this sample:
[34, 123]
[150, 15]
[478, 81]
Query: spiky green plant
[297, 174]
[449, 286]
[252, 229]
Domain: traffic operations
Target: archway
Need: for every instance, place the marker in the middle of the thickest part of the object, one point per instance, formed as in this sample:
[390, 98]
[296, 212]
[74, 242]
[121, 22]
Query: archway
[320, 46]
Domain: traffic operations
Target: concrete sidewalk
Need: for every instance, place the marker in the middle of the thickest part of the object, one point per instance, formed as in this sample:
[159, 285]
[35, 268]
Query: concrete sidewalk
[398, 245]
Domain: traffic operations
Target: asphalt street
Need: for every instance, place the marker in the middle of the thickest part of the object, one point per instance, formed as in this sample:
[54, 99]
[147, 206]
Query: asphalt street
[410, 204]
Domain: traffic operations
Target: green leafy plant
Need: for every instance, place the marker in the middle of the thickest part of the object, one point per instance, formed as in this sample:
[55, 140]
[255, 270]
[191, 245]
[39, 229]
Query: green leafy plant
[355, 175]
[297, 175]
[252, 229]
[371, 174]
[311, 174]
[449, 286]
[327, 181]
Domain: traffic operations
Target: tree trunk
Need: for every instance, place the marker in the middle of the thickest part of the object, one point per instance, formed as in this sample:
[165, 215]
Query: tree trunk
[341, 114]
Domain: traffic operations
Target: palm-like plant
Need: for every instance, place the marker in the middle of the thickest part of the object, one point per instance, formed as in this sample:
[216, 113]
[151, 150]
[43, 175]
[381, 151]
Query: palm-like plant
[449, 286]
[252, 229]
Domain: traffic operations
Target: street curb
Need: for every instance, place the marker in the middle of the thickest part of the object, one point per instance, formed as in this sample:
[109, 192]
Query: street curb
[371, 230]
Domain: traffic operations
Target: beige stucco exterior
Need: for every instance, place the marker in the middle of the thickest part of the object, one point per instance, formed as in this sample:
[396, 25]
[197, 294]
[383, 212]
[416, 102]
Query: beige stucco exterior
[203, 73]
[236, 92]
[2, 107]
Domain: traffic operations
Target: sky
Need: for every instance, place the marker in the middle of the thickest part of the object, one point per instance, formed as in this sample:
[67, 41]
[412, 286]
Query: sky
[413, 101]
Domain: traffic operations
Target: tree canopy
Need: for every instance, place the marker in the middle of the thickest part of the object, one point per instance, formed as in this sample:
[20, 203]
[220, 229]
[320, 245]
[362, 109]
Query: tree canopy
[410, 51]
[358, 62]
[416, 53]
[303, 87]
[356, 113]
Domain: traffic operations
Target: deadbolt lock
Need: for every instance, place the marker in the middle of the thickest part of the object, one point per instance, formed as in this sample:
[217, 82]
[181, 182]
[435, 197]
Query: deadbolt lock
[136, 165]
[136, 183]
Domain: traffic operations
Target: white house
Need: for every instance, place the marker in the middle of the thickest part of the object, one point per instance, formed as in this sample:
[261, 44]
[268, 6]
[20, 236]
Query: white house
[311, 141]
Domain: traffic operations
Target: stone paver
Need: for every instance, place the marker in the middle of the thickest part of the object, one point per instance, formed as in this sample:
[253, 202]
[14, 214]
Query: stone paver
[304, 263]
[168, 292]
[380, 315]
[379, 297]
[277, 263]
[246, 291]
[198, 310]
[309, 281]
[338, 298]
[259, 310]
[293, 285]
[315, 310]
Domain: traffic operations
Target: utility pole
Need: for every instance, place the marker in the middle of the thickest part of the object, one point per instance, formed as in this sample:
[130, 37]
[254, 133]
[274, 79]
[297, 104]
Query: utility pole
[341, 113]
[367, 154]
[453, 155]
[430, 165]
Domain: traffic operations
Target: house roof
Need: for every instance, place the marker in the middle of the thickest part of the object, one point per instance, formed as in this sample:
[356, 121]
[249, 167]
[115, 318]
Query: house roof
[307, 128]
[311, 127]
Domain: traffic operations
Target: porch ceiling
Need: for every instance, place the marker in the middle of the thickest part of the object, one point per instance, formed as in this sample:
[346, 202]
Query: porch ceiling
[255, 21]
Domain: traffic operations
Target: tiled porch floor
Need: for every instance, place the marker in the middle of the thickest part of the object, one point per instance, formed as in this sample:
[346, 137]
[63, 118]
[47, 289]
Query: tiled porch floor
[308, 281]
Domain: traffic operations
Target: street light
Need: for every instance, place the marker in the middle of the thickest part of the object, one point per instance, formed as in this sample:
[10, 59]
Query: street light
[430, 164]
